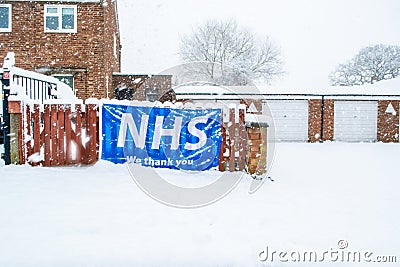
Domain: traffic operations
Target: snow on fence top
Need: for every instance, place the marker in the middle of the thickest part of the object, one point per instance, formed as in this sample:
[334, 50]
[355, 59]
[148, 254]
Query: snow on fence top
[177, 105]
[94, 101]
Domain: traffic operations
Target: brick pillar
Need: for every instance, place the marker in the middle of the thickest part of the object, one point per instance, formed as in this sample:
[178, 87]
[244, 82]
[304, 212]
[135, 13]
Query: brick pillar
[388, 122]
[257, 148]
[315, 120]
[329, 120]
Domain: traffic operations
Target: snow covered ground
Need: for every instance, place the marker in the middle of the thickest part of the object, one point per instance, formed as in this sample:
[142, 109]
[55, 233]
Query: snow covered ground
[97, 216]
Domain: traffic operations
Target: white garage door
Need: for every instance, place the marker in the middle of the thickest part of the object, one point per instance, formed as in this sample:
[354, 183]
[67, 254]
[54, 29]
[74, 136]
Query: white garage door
[290, 118]
[356, 121]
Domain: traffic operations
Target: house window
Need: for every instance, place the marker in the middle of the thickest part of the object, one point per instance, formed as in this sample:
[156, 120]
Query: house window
[152, 94]
[5, 18]
[60, 18]
[68, 79]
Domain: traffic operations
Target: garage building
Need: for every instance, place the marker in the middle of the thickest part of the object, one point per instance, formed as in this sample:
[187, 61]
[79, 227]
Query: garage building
[368, 113]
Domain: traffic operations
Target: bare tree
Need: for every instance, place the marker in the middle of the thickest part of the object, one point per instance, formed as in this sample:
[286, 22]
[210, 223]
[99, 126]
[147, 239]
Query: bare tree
[231, 55]
[371, 64]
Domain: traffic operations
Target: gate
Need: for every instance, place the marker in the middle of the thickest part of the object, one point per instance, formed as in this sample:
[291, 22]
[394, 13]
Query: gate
[234, 140]
[53, 134]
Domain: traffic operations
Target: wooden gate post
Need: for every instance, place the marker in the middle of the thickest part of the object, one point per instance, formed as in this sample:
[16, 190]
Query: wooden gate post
[221, 159]
[232, 139]
[242, 138]
[78, 134]
[68, 135]
[61, 135]
[16, 148]
[91, 132]
[37, 138]
[47, 134]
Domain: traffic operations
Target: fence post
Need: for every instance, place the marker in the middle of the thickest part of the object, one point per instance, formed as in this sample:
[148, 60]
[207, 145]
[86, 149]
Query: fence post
[54, 138]
[36, 132]
[15, 112]
[47, 133]
[27, 142]
[242, 137]
[221, 160]
[61, 134]
[68, 134]
[232, 139]
[91, 125]
[78, 135]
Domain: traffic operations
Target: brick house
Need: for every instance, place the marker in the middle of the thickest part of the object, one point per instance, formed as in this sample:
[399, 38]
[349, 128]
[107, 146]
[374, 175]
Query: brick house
[77, 41]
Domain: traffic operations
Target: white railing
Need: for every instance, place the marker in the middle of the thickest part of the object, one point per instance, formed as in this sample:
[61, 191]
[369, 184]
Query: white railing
[32, 85]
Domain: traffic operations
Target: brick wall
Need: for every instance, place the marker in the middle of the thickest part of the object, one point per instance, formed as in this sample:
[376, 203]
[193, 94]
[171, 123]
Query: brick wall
[388, 123]
[87, 54]
[329, 122]
[315, 120]
[112, 46]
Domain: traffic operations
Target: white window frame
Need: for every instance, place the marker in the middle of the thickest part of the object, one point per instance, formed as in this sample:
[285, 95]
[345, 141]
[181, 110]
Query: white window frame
[9, 29]
[59, 15]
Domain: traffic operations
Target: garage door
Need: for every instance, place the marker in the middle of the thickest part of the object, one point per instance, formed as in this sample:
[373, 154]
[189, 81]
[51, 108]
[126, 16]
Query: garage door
[356, 121]
[290, 118]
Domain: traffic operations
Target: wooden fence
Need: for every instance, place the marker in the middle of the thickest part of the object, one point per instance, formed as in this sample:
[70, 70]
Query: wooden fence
[67, 134]
[234, 141]
[56, 135]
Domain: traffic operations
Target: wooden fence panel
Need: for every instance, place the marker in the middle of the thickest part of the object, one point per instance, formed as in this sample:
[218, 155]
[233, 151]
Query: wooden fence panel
[27, 150]
[47, 135]
[37, 138]
[55, 132]
[21, 138]
[68, 135]
[54, 137]
[242, 140]
[61, 135]
[78, 135]
[234, 141]
[91, 132]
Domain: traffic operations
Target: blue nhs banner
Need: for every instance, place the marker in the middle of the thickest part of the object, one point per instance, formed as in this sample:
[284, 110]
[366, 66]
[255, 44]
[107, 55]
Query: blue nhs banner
[161, 137]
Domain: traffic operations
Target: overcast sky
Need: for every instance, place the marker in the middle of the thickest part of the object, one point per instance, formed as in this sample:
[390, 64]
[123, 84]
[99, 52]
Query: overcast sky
[314, 35]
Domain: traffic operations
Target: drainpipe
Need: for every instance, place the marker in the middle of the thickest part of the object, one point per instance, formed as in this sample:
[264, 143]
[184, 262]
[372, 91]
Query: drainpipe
[322, 119]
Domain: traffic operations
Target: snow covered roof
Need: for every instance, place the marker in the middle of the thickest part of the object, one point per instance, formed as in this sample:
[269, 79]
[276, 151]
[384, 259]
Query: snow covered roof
[138, 74]
[387, 88]
[72, 1]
